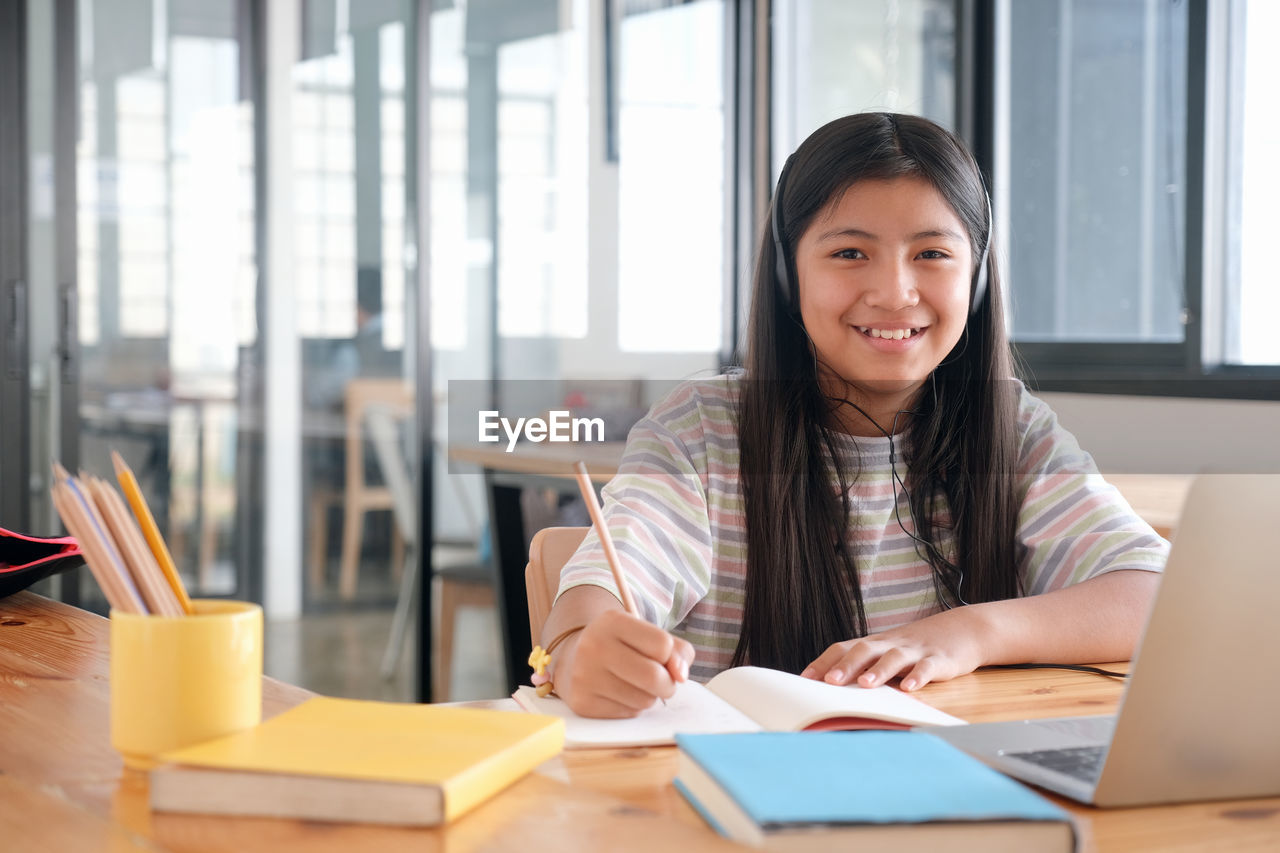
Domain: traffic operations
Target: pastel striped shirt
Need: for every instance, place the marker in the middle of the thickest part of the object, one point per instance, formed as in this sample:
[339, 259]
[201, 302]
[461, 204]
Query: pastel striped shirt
[677, 517]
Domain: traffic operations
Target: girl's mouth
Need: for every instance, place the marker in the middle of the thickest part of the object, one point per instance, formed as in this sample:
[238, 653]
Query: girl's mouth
[890, 334]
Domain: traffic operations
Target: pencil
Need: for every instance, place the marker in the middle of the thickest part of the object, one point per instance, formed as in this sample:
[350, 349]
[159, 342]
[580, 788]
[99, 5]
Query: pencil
[606, 541]
[137, 559]
[104, 562]
[99, 565]
[147, 521]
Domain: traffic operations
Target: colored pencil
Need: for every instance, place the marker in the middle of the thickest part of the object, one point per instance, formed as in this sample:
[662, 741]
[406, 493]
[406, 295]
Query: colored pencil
[606, 541]
[142, 512]
[82, 521]
[142, 566]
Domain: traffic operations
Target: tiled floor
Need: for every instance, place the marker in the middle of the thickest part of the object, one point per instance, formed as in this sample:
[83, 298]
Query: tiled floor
[340, 654]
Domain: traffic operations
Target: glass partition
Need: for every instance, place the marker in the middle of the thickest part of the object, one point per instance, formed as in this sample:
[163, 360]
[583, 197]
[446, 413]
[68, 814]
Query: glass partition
[832, 58]
[167, 268]
[349, 150]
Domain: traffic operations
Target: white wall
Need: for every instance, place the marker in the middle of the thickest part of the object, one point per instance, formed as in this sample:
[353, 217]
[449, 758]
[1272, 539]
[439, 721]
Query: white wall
[1158, 435]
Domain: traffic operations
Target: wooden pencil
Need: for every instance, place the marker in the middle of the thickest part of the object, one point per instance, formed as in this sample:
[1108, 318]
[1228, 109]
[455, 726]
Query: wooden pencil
[99, 565]
[147, 521]
[142, 566]
[98, 533]
[606, 541]
[77, 514]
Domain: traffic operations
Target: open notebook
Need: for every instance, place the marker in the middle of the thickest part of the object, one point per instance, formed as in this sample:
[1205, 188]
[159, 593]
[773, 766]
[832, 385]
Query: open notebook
[745, 699]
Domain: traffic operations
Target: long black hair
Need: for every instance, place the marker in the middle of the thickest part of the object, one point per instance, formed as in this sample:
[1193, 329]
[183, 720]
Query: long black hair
[802, 592]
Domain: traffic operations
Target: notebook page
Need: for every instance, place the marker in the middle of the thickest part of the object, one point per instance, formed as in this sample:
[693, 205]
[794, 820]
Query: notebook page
[693, 710]
[780, 701]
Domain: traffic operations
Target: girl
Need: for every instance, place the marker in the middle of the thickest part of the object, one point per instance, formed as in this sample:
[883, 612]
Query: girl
[876, 497]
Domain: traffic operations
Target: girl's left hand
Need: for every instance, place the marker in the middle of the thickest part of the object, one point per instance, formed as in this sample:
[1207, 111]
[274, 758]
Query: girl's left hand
[936, 648]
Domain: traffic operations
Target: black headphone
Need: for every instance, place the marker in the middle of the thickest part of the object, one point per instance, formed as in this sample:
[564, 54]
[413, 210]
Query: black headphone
[782, 264]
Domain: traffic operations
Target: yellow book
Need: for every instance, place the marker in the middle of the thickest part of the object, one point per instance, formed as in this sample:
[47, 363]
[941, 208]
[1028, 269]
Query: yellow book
[354, 760]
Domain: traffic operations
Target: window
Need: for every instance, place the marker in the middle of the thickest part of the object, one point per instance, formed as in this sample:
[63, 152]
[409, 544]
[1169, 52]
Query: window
[1132, 190]
[1252, 184]
[324, 193]
[542, 186]
[671, 179]
[581, 153]
[832, 58]
[1097, 170]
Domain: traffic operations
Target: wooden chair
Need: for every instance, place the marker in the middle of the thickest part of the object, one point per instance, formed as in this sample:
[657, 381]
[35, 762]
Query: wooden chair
[357, 497]
[550, 549]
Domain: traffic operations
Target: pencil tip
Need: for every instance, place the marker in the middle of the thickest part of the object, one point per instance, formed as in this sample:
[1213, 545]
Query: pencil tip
[60, 472]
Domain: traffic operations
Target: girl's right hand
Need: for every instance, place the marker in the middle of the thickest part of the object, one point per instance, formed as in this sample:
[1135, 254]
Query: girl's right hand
[619, 665]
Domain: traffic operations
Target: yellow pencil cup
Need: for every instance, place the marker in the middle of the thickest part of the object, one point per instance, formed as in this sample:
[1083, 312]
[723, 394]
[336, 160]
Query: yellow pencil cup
[179, 680]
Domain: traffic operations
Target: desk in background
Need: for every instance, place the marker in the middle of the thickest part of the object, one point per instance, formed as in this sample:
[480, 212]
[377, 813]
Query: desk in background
[63, 787]
[1157, 498]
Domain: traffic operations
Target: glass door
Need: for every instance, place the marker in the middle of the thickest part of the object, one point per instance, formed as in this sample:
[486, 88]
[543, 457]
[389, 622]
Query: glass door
[166, 264]
[14, 315]
[39, 357]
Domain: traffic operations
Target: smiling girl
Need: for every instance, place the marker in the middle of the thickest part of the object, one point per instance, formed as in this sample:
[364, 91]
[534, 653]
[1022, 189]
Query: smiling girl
[876, 497]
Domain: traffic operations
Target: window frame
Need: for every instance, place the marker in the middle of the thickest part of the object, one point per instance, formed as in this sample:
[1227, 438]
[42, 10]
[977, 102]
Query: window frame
[1192, 368]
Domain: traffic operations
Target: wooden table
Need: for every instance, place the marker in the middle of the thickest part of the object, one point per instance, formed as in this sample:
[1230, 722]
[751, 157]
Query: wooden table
[62, 787]
[1157, 498]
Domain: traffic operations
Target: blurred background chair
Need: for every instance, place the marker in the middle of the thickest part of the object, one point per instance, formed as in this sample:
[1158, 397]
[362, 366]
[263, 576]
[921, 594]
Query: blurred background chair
[464, 579]
[358, 495]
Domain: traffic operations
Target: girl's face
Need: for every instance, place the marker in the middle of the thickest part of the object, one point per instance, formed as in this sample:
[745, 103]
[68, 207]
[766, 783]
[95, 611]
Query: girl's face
[884, 276]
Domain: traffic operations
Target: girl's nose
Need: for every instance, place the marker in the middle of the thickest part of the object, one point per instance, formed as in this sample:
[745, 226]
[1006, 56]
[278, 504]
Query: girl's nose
[892, 288]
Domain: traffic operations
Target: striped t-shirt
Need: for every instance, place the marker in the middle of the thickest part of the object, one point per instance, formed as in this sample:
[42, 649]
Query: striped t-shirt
[678, 519]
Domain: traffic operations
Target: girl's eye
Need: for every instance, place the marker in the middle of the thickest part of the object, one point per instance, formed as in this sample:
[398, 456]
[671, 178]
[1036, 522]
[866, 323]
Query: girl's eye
[850, 254]
[933, 254]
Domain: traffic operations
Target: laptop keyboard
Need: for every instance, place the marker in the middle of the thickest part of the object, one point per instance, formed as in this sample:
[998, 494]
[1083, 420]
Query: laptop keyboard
[1079, 762]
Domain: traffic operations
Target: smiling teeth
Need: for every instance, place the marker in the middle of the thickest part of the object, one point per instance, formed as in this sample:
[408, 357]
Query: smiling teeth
[890, 334]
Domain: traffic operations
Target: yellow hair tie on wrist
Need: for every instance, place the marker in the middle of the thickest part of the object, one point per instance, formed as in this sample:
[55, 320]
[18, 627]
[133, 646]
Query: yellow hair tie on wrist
[540, 660]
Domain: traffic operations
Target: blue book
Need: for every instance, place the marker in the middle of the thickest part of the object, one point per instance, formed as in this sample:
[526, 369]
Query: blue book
[898, 791]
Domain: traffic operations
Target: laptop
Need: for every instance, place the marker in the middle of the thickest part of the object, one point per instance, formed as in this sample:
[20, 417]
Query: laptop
[1200, 717]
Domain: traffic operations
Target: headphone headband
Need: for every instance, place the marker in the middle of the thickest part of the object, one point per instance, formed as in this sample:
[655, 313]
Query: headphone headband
[980, 278]
[782, 263]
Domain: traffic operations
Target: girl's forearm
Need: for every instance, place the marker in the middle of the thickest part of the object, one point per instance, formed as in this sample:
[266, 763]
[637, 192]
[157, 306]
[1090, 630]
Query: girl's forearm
[1095, 621]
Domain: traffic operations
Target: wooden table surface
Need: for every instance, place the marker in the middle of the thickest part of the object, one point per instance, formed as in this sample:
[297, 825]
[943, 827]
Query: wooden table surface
[62, 787]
